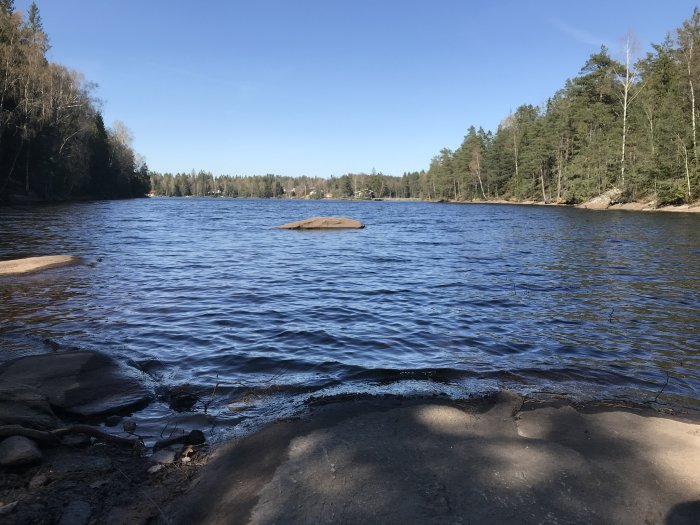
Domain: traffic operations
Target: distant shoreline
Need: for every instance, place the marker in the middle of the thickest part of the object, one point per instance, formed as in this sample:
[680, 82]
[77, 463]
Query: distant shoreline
[648, 206]
[627, 206]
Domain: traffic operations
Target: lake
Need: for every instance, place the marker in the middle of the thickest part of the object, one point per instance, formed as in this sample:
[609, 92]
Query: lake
[206, 296]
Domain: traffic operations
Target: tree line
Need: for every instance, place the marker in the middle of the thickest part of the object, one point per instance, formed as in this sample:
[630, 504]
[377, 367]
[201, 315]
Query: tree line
[622, 124]
[627, 124]
[53, 140]
[351, 185]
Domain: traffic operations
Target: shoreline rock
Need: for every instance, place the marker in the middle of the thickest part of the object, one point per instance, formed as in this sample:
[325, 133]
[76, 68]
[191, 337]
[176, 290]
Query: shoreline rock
[323, 223]
[36, 264]
[394, 460]
[604, 201]
[83, 384]
[431, 461]
[650, 206]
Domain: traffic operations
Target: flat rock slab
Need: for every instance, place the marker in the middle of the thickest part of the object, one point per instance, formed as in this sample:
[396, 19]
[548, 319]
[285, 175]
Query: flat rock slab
[323, 223]
[80, 383]
[36, 264]
[437, 463]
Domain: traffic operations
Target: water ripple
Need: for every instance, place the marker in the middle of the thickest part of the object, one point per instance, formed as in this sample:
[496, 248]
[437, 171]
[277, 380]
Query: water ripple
[204, 292]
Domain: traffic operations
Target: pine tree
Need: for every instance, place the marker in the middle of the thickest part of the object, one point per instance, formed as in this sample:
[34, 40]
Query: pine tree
[7, 7]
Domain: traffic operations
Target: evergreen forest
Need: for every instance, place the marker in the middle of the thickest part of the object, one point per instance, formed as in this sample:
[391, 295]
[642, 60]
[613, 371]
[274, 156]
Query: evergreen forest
[53, 142]
[628, 123]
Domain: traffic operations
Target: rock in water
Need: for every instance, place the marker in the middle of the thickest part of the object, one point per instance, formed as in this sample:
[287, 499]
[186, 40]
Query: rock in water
[323, 223]
[80, 383]
[35, 264]
[17, 451]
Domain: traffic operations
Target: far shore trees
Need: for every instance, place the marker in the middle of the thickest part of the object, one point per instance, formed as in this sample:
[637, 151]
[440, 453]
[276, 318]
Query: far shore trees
[631, 125]
[53, 141]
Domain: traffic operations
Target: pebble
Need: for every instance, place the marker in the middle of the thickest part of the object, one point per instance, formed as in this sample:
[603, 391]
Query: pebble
[18, 450]
[154, 469]
[39, 480]
[129, 426]
[164, 457]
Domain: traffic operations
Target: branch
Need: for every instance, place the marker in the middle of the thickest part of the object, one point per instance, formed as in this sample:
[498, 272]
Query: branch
[53, 436]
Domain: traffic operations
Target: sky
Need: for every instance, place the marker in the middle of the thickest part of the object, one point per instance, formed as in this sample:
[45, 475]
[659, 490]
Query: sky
[327, 87]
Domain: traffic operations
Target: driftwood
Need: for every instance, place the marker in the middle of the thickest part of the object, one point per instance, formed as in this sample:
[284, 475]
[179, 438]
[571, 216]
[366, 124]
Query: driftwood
[54, 436]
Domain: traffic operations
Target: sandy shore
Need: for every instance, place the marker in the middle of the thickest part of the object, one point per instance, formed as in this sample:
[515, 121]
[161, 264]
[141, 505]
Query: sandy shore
[503, 460]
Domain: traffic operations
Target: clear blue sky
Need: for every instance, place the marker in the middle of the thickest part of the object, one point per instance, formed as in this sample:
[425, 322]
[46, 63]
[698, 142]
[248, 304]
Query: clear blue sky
[326, 87]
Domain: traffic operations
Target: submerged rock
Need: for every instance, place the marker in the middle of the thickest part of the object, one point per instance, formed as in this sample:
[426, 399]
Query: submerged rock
[80, 383]
[35, 264]
[17, 451]
[323, 223]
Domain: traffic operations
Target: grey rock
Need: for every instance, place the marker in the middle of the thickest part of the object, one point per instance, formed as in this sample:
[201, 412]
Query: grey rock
[129, 426]
[17, 451]
[81, 383]
[604, 201]
[154, 469]
[26, 406]
[77, 512]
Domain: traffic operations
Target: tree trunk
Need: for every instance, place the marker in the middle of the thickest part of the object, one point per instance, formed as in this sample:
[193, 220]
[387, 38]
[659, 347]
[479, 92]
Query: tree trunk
[544, 195]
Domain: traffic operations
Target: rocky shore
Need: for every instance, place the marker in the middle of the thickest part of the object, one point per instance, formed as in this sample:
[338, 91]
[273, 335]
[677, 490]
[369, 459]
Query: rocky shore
[496, 459]
[70, 454]
[501, 459]
[609, 200]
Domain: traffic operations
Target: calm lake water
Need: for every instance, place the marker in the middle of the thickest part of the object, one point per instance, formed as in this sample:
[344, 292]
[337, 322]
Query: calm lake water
[427, 299]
